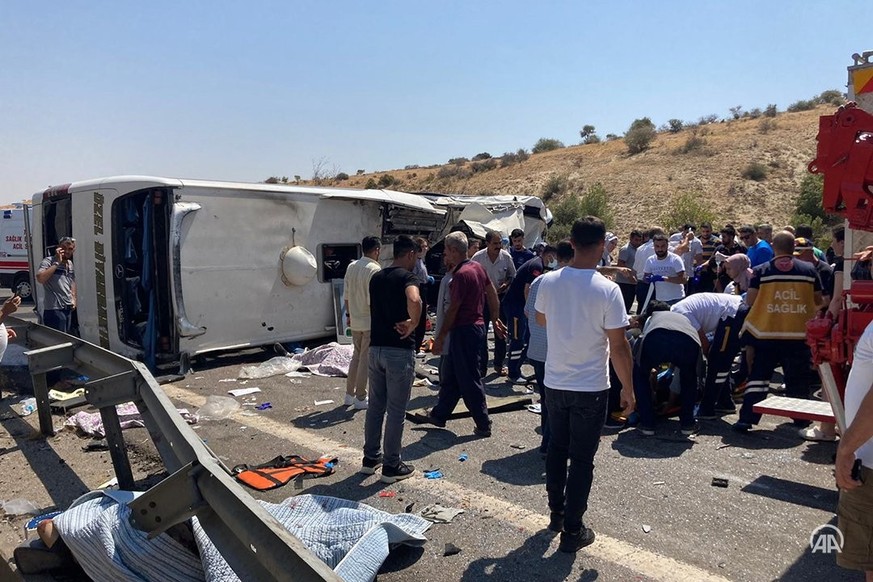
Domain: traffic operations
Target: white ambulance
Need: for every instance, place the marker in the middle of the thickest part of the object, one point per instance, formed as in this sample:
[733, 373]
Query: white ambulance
[14, 270]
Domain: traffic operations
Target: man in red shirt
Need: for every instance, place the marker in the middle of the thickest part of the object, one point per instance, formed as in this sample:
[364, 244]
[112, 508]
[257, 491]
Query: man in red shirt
[461, 376]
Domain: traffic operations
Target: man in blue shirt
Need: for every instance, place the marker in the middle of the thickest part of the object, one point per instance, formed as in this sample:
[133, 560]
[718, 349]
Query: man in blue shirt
[759, 251]
[520, 255]
[513, 308]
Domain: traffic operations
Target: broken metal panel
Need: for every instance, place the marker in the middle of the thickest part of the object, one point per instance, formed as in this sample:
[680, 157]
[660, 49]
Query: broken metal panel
[252, 542]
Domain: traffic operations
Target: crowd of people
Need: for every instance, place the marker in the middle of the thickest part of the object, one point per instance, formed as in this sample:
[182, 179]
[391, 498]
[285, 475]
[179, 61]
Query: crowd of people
[682, 323]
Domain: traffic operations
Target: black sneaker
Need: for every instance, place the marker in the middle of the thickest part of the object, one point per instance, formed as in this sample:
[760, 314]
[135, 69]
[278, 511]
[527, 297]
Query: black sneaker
[398, 473]
[369, 466]
[435, 421]
[613, 423]
[482, 431]
[741, 427]
[571, 543]
[556, 521]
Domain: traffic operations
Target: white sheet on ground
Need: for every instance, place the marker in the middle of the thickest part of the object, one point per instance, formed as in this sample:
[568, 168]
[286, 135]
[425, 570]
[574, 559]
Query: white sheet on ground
[352, 538]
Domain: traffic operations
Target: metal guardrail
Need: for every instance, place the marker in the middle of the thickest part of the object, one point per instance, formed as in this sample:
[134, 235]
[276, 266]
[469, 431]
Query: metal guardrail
[252, 542]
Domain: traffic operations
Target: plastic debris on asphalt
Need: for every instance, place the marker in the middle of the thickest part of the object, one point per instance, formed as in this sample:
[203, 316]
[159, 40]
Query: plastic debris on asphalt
[535, 408]
[387, 494]
[28, 406]
[463, 457]
[647, 528]
[323, 402]
[435, 474]
[243, 391]
[272, 367]
[218, 408]
[19, 506]
[719, 482]
[264, 406]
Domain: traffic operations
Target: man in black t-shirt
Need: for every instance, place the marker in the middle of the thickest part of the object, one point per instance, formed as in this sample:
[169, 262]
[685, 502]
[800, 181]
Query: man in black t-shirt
[395, 308]
[728, 247]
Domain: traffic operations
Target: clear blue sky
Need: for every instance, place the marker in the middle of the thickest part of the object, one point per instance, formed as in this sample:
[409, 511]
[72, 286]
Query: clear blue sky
[246, 90]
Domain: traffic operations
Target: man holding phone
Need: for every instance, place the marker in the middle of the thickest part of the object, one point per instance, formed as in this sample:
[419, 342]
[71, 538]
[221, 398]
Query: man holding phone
[57, 275]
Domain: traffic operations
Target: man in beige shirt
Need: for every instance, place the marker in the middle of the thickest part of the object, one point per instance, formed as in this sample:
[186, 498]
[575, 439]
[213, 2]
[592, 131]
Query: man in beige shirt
[356, 295]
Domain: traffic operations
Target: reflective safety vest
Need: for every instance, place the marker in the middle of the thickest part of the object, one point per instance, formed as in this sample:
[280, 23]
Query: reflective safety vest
[785, 300]
[281, 470]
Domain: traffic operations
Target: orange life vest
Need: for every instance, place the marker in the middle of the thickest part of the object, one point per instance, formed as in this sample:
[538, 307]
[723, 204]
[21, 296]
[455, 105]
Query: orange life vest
[281, 470]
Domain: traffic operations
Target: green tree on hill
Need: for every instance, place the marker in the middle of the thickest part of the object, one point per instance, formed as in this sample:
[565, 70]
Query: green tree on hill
[545, 144]
[640, 135]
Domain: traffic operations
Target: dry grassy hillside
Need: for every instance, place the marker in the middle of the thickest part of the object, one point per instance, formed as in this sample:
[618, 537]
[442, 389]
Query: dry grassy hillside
[642, 186]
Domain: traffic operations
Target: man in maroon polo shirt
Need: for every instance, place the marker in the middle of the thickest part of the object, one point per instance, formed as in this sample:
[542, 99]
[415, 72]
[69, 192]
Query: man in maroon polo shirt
[460, 376]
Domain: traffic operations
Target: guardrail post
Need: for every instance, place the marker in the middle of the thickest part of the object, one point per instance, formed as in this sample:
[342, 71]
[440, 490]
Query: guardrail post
[43, 407]
[117, 449]
[44, 360]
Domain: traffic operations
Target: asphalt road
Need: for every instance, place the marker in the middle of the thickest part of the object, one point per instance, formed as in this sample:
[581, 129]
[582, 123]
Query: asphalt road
[653, 507]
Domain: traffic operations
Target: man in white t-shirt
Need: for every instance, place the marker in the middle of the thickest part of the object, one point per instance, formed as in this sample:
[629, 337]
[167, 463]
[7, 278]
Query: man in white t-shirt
[500, 267]
[356, 295]
[642, 255]
[583, 313]
[666, 270]
[856, 445]
[690, 249]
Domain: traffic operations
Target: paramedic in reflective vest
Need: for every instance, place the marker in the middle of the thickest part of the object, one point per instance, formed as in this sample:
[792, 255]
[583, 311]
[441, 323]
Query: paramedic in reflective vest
[57, 275]
[782, 297]
[395, 309]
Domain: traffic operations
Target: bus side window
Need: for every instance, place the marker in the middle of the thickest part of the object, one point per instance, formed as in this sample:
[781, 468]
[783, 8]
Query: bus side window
[333, 260]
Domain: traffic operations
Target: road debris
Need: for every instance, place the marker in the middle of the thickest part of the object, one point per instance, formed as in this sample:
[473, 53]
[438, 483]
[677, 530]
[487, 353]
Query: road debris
[451, 549]
[237, 392]
[323, 402]
[437, 513]
[719, 482]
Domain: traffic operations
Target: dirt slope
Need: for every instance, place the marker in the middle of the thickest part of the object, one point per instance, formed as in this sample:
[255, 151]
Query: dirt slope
[643, 185]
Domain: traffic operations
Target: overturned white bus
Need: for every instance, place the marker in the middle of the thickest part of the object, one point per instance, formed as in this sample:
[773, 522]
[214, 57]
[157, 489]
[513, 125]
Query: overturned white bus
[169, 268]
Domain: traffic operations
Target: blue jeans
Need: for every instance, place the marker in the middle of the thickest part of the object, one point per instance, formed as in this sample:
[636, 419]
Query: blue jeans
[58, 319]
[575, 419]
[392, 371]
